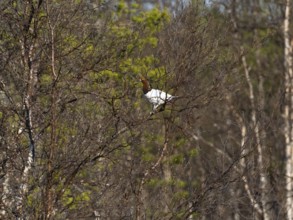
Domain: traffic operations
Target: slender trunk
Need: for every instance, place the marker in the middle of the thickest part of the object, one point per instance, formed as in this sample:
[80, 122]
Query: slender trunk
[264, 178]
[29, 127]
[288, 113]
[244, 151]
[15, 199]
[49, 208]
[269, 209]
[30, 68]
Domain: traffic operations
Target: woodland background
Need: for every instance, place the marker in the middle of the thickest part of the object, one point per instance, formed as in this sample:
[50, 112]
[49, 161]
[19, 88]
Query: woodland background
[76, 138]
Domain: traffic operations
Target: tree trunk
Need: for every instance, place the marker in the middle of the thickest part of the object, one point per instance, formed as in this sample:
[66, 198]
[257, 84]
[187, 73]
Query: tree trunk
[264, 181]
[288, 114]
[30, 69]
[49, 206]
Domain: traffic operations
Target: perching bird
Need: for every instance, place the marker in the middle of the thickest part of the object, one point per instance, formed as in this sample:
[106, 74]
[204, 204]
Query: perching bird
[156, 97]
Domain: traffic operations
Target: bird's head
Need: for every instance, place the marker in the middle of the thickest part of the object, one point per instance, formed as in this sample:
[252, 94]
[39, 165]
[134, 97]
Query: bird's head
[146, 85]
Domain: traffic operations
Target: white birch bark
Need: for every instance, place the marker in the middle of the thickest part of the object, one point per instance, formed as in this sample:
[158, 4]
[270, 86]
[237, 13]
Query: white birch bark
[7, 198]
[30, 69]
[30, 65]
[244, 178]
[288, 114]
[264, 179]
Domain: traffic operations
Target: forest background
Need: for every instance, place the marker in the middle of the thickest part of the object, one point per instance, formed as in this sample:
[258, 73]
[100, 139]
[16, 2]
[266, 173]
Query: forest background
[76, 138]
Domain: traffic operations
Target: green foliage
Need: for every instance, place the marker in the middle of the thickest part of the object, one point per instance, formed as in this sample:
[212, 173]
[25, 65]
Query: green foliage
[180, 183]
[67, 199]
[155, 182]
[141, 65]
[66, 132]
[147, 154]
[30, 200]
[46, 79]
[177, 158]
[152, 20]
[72, 201]
[181, 195]
[146, 24]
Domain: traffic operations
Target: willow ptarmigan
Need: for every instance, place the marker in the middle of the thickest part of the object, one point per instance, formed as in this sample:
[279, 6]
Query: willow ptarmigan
[156, 97]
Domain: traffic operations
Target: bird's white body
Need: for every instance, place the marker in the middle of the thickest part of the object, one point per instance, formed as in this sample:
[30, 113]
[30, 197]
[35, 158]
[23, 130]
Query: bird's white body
[158, 97]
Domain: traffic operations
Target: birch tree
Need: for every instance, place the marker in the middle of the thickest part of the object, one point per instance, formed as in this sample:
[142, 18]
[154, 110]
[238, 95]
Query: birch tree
[25, 37]
[288, 113]
[257, 106]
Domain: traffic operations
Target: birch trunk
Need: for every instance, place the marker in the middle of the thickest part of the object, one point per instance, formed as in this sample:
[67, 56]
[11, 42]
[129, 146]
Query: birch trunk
[265, 185]
[30, 63]
[49, 194]
[30, 70]
[8, 200]
[264, 181]
[244, 152]
[29, 127]
[288, 114]
[49, 206]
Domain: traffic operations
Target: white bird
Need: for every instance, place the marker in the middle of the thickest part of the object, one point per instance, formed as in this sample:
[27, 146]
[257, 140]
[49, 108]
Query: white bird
[156, 97]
